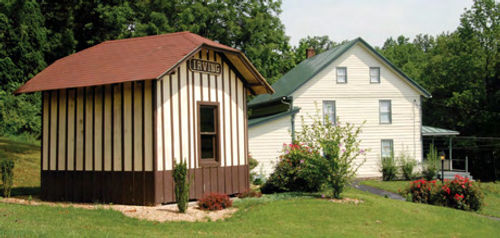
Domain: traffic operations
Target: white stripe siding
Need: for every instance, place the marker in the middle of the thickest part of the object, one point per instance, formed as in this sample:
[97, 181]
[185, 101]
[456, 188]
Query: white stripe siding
[71, 129]
[46, 121]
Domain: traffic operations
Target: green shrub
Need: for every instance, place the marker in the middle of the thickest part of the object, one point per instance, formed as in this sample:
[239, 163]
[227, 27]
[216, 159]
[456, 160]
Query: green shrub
[388, 168]
[431, 164]
[181, 186]
[340, 146]
[407, 165]
[7, 170]
[289, 174]
[252, 164]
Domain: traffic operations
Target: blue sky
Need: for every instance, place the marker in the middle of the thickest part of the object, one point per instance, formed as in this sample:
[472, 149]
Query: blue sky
[374, 20]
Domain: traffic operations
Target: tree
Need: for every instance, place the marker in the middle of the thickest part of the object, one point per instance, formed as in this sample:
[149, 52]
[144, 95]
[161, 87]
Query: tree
[318, 43]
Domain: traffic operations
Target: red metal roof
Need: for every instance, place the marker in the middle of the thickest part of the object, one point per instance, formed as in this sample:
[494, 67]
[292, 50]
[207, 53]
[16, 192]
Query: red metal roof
[119, 61]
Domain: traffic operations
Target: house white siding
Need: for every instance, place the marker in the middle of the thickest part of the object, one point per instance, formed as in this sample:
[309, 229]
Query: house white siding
[266, 142]
[357, 101]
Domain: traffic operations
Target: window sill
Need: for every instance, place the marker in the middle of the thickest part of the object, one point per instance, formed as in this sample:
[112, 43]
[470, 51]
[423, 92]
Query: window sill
[209, 163]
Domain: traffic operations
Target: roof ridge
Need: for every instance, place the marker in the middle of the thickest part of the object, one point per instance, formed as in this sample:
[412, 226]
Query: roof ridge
[148, 36]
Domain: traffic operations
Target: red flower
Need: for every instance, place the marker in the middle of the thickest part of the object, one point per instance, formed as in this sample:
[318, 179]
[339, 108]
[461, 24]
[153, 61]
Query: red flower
[458, 197]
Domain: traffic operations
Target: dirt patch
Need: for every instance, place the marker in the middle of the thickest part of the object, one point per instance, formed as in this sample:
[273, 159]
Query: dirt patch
[163, 213]
[346, 200]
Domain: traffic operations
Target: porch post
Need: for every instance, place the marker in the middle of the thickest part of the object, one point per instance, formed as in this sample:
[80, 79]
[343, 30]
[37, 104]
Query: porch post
[450, 148]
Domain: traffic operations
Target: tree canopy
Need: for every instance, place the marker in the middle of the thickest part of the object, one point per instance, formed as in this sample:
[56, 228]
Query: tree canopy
[460, 68]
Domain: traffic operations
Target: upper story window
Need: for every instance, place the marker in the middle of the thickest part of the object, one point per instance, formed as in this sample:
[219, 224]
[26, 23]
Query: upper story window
[341, 75]
[385, 111]
[329, 113]
[208, 133]
[374, 75]
[387, 148]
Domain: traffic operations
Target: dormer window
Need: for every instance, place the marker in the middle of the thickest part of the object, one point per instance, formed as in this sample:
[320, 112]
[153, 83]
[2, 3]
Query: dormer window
[341, 75]
[374, 75]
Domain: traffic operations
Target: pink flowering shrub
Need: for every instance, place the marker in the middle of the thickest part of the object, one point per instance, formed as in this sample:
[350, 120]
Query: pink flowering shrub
[459, 193]
[291, 173]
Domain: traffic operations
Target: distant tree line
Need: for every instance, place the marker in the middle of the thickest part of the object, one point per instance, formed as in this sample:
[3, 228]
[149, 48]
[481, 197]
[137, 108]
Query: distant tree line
[461, 68]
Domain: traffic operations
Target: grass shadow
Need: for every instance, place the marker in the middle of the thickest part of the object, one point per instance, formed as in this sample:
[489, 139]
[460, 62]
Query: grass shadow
[25, 191]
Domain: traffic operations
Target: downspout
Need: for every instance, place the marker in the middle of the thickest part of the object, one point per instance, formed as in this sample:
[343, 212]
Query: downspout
[290, 106]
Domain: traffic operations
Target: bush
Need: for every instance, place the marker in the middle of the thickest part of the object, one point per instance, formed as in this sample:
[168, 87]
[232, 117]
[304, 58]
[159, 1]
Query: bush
[252, 164]
[181, 186]
[407, 165]
[431, 164]
[460, 193]
[422, 191]
[340, 146]
[249, 194]
[7, 170]
[388, 168]
[214, 201]
[290, 175]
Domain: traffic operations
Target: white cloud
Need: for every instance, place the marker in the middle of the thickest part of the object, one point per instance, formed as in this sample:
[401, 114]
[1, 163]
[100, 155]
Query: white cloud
[375, 21]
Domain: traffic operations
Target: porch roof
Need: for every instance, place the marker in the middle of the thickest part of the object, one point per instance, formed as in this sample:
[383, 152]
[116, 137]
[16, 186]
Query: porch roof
[435, 131]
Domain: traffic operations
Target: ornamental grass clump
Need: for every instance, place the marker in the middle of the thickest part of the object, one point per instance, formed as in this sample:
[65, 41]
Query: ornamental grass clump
[181, 186]
[407, 164]
[214, 201]
[388, 168]
[431, 164]
[7, 170]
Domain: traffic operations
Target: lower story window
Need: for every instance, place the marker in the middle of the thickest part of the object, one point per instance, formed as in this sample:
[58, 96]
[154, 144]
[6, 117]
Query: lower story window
[208, 127]
[387, 148]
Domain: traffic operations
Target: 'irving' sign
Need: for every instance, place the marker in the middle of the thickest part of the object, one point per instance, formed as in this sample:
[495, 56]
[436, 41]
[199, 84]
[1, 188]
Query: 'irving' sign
[204, 66]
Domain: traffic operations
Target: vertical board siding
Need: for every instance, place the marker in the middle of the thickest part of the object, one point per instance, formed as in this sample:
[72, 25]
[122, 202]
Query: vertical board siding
[85, 133]
[71, 117]
[178, 128]
[108, 128]
[45, 130]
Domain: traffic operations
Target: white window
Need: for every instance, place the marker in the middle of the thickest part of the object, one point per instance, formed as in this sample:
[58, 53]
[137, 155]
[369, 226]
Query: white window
[387, 149]
[374, 75]
[341, 75]
[329, 111]
[385, 111]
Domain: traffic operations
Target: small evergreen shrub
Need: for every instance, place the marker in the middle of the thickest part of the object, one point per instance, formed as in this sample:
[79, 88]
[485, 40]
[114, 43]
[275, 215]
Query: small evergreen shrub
[407, 165]
[431, 164]
[7, 170]
[249, 194]
[388, 168]
[181, 186]
[214, 201]
[252, 164]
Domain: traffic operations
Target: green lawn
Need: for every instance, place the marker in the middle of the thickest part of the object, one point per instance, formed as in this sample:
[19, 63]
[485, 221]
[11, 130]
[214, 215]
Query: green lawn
[491, 193]
[271, 216]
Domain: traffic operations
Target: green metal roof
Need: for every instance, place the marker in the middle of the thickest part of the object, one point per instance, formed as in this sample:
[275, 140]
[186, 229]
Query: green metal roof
[434, 131]
[308, 68]
[259, 120]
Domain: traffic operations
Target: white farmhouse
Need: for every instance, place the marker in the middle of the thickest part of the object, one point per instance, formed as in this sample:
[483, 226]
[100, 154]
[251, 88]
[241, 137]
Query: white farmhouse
[351, 82]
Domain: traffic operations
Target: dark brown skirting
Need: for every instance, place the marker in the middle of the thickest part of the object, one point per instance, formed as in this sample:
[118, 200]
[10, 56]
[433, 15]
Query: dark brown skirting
[87, 186]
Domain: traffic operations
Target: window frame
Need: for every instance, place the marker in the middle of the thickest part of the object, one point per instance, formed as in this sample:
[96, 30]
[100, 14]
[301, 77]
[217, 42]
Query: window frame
[382, 147]
[334, 110]
[337, 75]
[370, 75]
[209, 162]
[380, 112]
